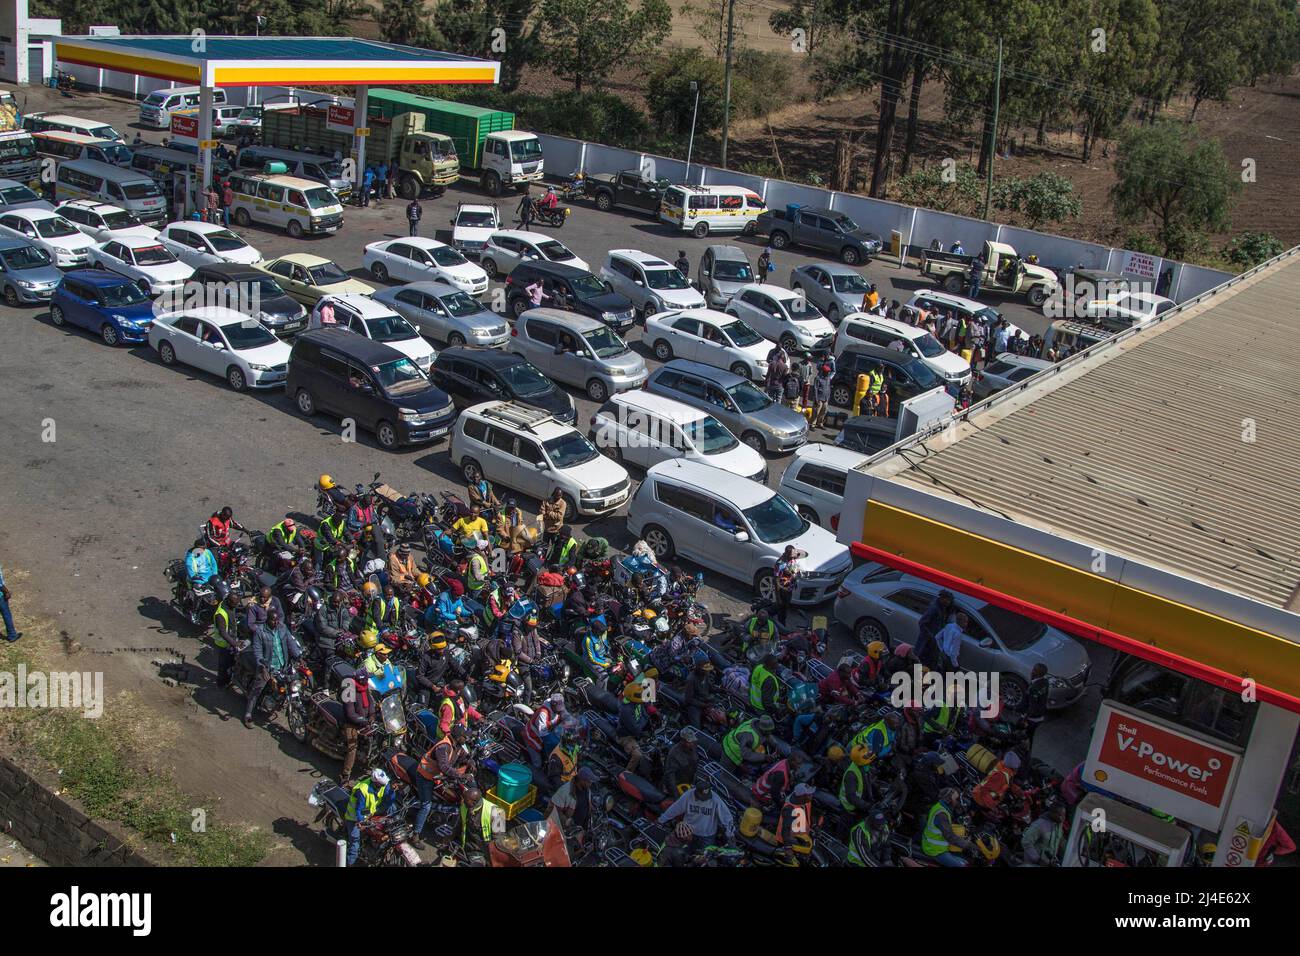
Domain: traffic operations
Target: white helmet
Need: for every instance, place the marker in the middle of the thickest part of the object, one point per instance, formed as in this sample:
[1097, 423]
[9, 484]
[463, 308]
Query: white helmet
[379, 777]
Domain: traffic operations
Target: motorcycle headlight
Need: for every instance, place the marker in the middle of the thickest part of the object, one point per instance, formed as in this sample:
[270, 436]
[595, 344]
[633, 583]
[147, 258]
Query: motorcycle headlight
[295, 687]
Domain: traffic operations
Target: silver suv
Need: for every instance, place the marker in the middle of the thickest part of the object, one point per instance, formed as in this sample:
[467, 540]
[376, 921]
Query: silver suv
[578, 351]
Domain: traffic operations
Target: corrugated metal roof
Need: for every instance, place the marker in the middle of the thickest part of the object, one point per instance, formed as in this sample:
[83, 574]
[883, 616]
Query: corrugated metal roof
[1146, 455]
[420, 102]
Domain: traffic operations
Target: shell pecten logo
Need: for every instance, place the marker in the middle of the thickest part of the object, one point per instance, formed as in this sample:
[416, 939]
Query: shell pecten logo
[1100, 775]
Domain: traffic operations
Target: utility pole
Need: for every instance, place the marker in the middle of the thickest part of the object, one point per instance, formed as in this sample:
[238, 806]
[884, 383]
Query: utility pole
[726, 82]
[993, 133]
[695, 88]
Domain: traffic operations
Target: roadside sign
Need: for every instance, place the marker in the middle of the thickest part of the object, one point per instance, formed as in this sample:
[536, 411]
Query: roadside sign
[185, 126]
[340, 119]
[363, 131]
[209, 143]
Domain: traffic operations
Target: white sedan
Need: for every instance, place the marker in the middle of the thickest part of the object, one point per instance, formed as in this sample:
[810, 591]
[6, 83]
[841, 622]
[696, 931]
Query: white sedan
[103, 222]
[147, 261]
[423, 260]
[206, 243]
[709, 337]
[224, 342]
[46, 229]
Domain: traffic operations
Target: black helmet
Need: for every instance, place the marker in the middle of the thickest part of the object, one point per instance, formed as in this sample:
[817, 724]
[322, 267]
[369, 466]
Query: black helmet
[222, 590]
[459, 732]
[469, 696]
[313, 594]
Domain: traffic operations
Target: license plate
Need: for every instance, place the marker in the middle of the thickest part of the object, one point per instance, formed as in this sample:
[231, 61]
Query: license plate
[331, 229]
[437, 432]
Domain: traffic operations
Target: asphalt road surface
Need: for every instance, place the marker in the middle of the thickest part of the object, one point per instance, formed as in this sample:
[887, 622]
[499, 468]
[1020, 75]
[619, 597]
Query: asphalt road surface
[142, 454]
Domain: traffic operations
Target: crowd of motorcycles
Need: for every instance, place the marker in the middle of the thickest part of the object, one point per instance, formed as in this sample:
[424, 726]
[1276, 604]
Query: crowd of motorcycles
[655, 634]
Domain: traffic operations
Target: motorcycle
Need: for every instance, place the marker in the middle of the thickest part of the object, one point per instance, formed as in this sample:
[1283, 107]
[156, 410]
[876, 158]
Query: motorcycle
[284, 691]
[194, 602]
[552, 217]
[383, 839]
[326, 718]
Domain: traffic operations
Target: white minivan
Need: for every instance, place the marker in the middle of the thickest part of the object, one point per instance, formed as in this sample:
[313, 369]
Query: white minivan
[643, 429]
[363, 315]
[157, 108]
[735, 527]
[814, 482]
[125, 188]
[915, 341]
[701, 210]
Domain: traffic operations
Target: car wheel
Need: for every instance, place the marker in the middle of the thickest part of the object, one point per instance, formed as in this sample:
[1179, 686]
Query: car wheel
[850, 256]
[701, 230]
[604, 202]
[660, 542]
[408, 187]
[379, 272]
[868, 630]
[1037, 296]
[647, 310]
[755, 441]
[235, 378]
[789, 343]
[1013, 690]
[455, 340]
[492, 184]
[306, 404]
[387, 435]
[167, 354]
[490, 267]
[765, 585]
[808, 514]
[471, 471]
[953, 284]
[518, 307]
[11, 296]
[841, 395]
[597, 391]
[751, 228]
[108, 333]
[570, 506]
[741, 369]
[242, 218]
[57, 317]
[663, 351]
[294, 229]
[779, 240]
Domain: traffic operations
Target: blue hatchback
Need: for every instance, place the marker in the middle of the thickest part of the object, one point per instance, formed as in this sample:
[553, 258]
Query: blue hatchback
[105, 303]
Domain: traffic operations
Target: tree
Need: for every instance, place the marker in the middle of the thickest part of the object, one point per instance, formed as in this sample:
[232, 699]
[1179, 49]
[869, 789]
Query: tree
[709, 20]
[405, 22]
[584, 40]
[1170, 175]
[810, 16]
[669, 98]
[930, 187]
[1043, 197]
[1251, 248]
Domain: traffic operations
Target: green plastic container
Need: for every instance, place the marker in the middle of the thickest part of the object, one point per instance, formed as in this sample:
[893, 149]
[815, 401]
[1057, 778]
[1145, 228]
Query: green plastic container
[513, 781]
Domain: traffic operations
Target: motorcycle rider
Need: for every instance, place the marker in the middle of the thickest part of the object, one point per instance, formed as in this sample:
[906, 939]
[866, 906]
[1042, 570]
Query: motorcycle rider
[402, 571]
[873, 665]
[326, 621]
[330, 534]
[759, 628]
[550, 201]
[478, 570]
[200, 566]
[938, 836]
[697, 695]
[475, 827]
[563, 547]
[543, 728]
[370, 798]
[454, 709]
[634, 716]
[432, 667]
[530, 648]
[283, 536]
[681, 762]
[359, 711]
[260, 608]
[562, 763]
[856, 785]
[572, 800]
[224, 636]
[218, 528]
[878, 736]
[840, 687]
[482, 496]
[271, 649]
[444, 762]
[302, 577]
[869, 841]
[772, 785]
[765, 686]
[706, 813]
[1043, 841]
[595, 648]
[990, 792]
[748, 744]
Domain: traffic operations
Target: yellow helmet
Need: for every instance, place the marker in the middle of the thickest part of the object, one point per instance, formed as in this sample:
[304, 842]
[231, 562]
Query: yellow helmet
[835, 753]
[750, 822]
[876, 650]
[633, 693]
[861, 755]
[438, 640]
[326, 483]
[1207, 852]
[988, 846]
[382, 649]
[643, 857]
[423, 579]
[500, 672]
[369, 588]
[369, 637]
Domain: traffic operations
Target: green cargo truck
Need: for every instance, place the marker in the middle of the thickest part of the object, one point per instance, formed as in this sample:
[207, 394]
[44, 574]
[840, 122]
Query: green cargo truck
[489, 146]
[427, 161]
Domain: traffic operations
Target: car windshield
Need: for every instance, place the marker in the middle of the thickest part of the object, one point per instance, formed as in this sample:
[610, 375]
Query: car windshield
[472, 219]
[555, 251]
[104, 132]
[524, 379]
[732, 271]
[16, 194]
[125, 293]
[846, 224]
[991, 317]
[741, 334]
[665, 279]
[157, 97]
[852, 283]
[327, 273]
[390, 328]
[923, 375]
[17, 148]
[801, 310]
[605, 343]
[587, 286]
[266, 288]
[116, 153]
[247, 335]
[775, 521]
[225, 241]
[251, 113]
[320, 198]
[119, 220]
[144, 190]
[748, 398]
[710, 436]
[526, 149]
[400, 376]
[153, 256]
[447, 256]
[459, 305]
[1014, 630]
[569, 449]
[26, 257]
[928, 346]
[56, 227]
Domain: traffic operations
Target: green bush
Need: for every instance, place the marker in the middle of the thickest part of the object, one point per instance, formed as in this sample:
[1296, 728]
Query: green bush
[1251, 248]
[671, 102]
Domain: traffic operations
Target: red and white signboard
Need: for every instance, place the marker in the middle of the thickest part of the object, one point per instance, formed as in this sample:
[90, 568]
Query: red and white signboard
[1161, 765]
[341, 119]
[1140, 264]
[185, 126]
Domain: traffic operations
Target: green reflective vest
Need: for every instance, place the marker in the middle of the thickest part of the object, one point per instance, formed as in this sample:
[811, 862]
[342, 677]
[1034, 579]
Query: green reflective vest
[877, 378]
[862, 737]
[933, 842]
[855, 772]
[330, 533]
[731, 744]
[861, 841]
[760, 677]
[484, 821]
[222, 615]
[288, 535]
[364, 800]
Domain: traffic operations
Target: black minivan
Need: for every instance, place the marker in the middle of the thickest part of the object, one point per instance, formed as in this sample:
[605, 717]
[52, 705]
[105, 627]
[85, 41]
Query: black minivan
[583, 292]
[471, 376]
[341, 373]
[906, 375]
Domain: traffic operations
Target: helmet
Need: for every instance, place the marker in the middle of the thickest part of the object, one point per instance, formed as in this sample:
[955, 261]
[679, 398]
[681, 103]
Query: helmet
[469, 696]
[903, 650]
[314, 595]
[1206, 853]
[634, 693]
[861, 755]
[423, 579]
[370, 588]
[835, 752]
[382, 649]
[500, 673]
[326, 483]
[369, 638]
[750, 821]
[438, 640]
[684, 831]
[379, 777]
[766, 724]
[643, 857]
[876, 650]
[222, 590]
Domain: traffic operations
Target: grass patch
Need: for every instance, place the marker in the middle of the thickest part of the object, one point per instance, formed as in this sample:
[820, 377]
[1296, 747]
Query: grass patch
[105, 764]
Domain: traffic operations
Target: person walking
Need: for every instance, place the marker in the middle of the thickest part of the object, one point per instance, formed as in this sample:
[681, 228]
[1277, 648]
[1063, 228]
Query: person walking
[11, 633]
[367, 184]
[974, 276]
[381, 183]
[414, 212]
[821, 395]
[525, 210]
[764, 264]
[227, 200]
[213, 202]
[683, 265]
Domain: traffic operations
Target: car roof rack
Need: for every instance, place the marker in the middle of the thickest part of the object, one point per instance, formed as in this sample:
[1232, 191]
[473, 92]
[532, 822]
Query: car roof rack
[520, 416]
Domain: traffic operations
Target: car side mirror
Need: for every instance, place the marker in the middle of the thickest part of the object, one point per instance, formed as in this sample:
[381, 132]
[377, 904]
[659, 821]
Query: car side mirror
[986, 642]
[742, 536]
[365, 388]
[638, 282]
[218, 346]
[540, 466]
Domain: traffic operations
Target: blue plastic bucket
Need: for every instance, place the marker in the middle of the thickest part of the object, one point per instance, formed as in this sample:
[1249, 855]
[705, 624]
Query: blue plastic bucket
[513, 781]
